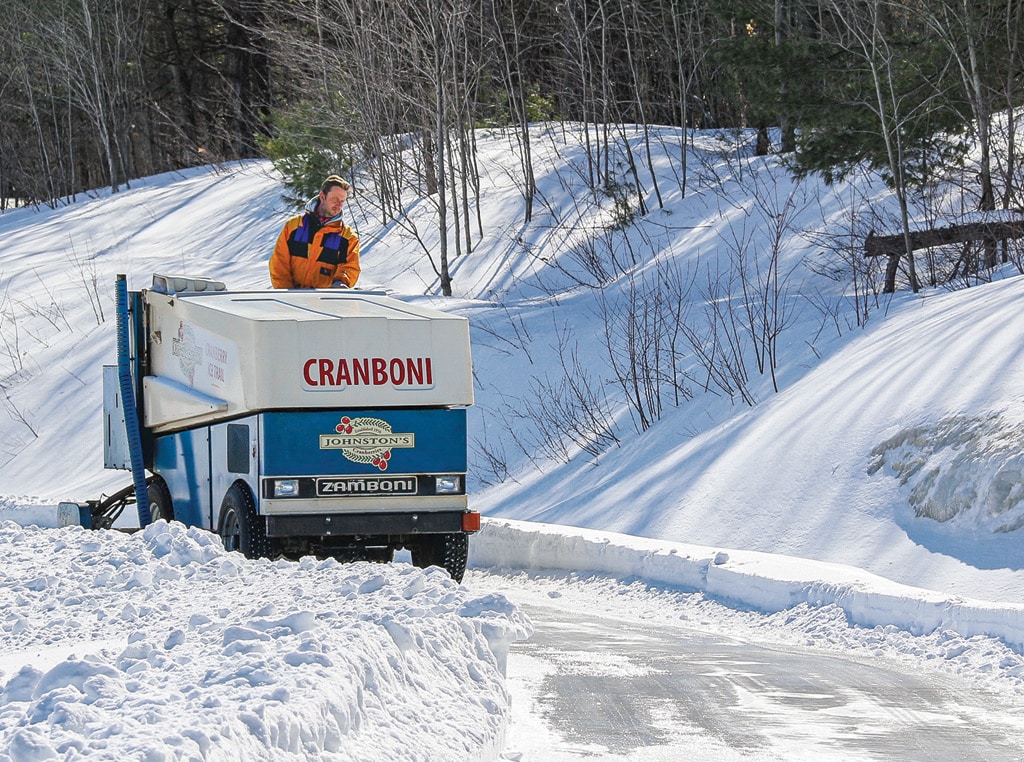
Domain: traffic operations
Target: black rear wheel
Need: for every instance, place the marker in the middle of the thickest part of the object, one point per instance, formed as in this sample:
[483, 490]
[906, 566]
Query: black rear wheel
[241, 528]
[449, 551]
[160, 505]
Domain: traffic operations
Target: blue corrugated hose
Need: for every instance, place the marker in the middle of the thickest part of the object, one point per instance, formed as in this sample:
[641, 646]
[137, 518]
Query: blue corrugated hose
[131, 414]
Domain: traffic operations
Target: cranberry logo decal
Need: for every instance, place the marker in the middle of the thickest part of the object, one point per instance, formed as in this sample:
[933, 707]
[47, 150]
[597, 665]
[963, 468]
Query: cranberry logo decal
[187, 350]
[366, 440]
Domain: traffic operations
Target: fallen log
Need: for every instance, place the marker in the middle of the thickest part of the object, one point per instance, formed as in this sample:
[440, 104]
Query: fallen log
[895, 245]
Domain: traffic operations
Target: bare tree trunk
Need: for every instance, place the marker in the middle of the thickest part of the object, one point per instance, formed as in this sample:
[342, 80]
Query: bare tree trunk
[955, 24]
[101, 118]
[440, 148]
[630, 25]
[1014, 21]
[782, 24]
[510, 48]
[867, 39]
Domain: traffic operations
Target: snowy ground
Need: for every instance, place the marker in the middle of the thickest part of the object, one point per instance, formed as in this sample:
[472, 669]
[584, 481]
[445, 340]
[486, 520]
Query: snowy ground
[161, 645]
[881, 485]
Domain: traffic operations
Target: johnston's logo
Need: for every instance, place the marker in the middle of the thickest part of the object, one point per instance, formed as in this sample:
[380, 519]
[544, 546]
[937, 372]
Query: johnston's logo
[366, 440]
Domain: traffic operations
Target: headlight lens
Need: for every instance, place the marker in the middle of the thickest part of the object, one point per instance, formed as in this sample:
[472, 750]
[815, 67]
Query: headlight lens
[448, 485]
[286, 488]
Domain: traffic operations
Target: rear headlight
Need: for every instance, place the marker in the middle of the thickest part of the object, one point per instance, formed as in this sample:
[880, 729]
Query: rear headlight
[286, 487]
[471, 522]
[448, 485]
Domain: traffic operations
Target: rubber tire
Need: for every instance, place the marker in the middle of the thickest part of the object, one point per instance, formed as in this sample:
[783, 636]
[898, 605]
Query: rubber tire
[449, 551]
[241, 528]
[160, 504]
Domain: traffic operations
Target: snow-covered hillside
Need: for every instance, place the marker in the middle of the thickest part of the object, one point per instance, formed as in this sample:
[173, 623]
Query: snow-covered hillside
[890, 447]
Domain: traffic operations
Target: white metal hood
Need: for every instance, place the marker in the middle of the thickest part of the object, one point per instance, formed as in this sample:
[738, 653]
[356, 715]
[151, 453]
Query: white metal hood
[218, 354]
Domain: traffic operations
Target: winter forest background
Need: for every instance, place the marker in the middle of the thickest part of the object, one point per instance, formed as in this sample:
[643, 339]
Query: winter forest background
[99, 92]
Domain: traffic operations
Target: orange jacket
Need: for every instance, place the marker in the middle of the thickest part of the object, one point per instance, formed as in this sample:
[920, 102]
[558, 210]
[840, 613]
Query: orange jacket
[311, 255]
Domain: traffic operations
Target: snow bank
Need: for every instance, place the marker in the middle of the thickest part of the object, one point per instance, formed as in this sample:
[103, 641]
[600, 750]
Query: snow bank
[965, 469]
[762, 581]
[160, 645]
[25, 513]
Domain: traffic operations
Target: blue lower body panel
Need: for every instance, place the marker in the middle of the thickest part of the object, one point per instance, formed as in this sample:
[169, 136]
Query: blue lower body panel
[343, 460]
[183, 461]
